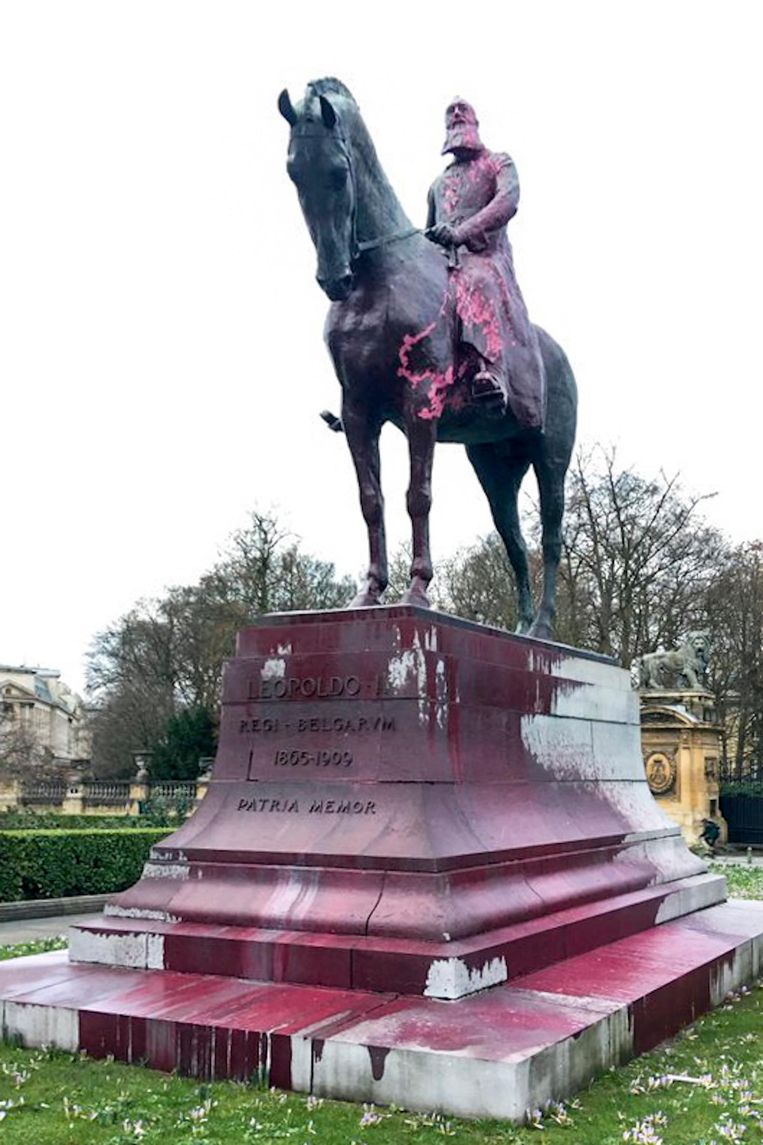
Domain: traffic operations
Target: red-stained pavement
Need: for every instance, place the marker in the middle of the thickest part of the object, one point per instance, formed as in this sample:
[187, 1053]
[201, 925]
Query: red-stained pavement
[602, 1006]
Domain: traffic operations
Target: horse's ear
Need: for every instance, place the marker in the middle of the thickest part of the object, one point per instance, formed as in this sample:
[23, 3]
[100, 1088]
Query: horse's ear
[328, 115]
[286, 109]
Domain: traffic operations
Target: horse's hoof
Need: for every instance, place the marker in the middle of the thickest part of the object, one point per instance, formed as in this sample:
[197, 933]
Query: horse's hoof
[417, 596]
[365, 599]
[541, 630]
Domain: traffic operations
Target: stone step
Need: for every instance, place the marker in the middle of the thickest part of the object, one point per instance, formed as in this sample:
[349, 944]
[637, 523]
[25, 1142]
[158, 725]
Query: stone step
[499, 1053]
[450, 969]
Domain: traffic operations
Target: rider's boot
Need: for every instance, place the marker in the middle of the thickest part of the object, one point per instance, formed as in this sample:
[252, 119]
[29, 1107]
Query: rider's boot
[489, 388]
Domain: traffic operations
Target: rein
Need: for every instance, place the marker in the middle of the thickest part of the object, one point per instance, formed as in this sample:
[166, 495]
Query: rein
[358, 248]
[374, 244]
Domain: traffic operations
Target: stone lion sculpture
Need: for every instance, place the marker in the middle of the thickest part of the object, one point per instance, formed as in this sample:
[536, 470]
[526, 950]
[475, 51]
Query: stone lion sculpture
[684, 667]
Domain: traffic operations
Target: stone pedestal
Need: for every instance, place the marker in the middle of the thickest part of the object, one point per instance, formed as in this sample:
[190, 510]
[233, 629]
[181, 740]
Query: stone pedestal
[404, 801]
[428, 870]
[681, 745]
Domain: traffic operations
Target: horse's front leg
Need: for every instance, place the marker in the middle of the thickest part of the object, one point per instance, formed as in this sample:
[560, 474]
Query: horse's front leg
[422, 435]
[362, 431]
[551, 489]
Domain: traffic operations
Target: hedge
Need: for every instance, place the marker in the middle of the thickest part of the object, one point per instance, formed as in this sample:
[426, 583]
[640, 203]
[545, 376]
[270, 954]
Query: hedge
[54, 864]
[26, 820]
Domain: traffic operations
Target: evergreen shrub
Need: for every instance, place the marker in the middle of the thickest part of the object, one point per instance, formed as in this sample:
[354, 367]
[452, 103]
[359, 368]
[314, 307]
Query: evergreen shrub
[60, 863]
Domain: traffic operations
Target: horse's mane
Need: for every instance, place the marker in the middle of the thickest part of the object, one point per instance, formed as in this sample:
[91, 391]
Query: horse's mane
[388, 212]
[330, 85]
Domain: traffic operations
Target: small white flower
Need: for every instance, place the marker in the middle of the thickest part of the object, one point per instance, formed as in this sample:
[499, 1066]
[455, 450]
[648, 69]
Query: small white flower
[370, 1116]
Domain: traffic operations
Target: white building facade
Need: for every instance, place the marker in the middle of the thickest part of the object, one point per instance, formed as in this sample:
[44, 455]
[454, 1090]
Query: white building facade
[38, 705]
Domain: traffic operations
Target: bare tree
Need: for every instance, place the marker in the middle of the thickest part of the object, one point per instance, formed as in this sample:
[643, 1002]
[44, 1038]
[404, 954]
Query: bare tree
[263, 569]
[637, 559]
[735, 621]
[478, 584]
[165, 656]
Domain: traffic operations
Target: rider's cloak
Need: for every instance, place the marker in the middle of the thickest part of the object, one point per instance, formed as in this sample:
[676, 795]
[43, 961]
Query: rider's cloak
[479, 195]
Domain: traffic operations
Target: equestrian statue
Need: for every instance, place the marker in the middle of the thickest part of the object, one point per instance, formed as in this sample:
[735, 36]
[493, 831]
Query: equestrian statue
[428, 329]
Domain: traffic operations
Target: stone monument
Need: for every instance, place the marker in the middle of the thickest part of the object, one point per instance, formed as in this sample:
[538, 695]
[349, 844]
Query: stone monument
[429, 869]
[681, 738]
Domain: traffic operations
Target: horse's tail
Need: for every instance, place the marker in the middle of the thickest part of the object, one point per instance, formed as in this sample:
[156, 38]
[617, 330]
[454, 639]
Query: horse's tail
[332, 421]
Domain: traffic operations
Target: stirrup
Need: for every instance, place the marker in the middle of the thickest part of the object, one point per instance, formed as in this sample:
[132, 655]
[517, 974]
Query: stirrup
[486, 387]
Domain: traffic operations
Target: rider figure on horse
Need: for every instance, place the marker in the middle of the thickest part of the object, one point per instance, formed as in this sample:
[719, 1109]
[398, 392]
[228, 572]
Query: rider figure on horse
[470, 204]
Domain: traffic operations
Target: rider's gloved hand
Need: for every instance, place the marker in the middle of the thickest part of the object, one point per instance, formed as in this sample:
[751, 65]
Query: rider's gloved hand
[443, 234]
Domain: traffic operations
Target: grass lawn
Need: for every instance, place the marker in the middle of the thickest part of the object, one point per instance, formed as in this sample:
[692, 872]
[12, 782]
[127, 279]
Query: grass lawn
[704, 1087]
[39, 946]
[744, 882]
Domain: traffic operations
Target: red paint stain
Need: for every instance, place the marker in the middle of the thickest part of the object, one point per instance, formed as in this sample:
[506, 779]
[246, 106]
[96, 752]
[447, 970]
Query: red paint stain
[378, 1056]
[280, 1061]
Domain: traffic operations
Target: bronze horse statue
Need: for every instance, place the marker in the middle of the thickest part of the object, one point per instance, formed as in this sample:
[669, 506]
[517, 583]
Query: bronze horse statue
[392, 331]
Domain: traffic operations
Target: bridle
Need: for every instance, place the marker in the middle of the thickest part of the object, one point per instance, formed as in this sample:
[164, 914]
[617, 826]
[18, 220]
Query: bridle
[357, 247]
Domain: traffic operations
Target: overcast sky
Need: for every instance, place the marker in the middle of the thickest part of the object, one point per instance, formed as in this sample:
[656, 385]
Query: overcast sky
[161, 355]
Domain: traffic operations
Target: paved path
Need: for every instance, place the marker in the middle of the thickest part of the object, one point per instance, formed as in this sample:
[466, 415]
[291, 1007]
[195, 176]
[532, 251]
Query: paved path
[32, 928]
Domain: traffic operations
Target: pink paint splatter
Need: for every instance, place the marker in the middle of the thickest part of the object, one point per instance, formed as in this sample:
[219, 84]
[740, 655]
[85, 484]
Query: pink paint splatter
[450, 192]
[474, 309]
[437, 394]
[475, 169]
[409, 341]
[439, 380]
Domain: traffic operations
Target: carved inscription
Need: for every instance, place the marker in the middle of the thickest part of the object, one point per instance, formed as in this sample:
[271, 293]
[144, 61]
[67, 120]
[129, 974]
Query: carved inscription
[272, 685]
[312, 806]
[316, 724]
[288, 725]
[313, 759]
[304, 688]
[267, 806]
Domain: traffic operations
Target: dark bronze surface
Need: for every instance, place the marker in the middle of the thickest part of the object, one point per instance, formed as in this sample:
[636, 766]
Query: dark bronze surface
[430, 331]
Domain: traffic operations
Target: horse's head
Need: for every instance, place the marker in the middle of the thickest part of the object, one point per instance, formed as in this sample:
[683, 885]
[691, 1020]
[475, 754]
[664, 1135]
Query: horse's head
[320, 167]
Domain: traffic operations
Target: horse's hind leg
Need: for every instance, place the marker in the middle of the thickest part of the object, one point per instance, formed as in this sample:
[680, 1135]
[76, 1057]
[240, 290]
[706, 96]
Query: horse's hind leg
[500, 477]
[551, 489]
[362, 433]
[421, 435]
